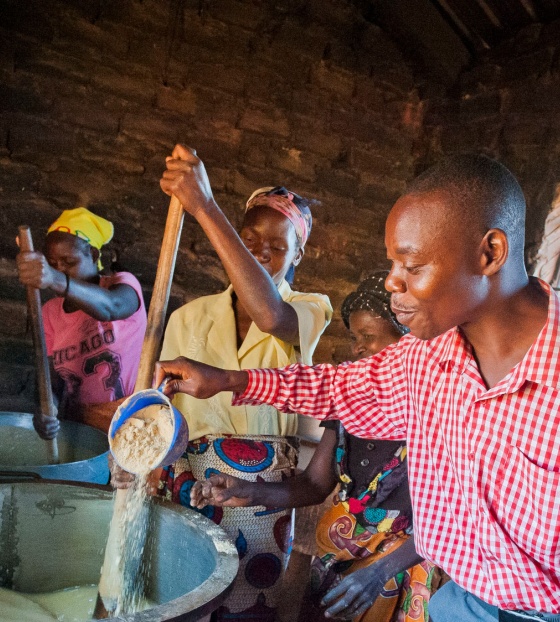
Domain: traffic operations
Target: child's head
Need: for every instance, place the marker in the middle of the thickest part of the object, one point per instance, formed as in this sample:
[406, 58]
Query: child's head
[368, 316]
[74, 241]
[275, 229]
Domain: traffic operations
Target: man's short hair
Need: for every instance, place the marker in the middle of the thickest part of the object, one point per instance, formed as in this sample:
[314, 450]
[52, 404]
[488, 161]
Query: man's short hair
[483, 191]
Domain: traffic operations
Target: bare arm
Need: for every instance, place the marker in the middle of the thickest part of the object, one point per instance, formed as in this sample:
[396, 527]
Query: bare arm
[186, 178]
[116, 303]
[357, 591]
[308, 488]
[47, 427]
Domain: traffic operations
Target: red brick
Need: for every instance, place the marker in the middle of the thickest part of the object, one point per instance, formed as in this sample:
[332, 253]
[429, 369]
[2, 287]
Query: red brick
[264, 120]
[19, 93]
[48, 62]
[240, 13]
[293, 160]
[392, 164]
[306, 37]
[338, 182]
[369, 94]
[85, 112]
[311, 136]
[29, 135]
[331, 78]
[213, 106]
[183, 101]
[79, 38]
[151, 125]
[121, 80]
[14, 318]
[149, 16]
[218, 76]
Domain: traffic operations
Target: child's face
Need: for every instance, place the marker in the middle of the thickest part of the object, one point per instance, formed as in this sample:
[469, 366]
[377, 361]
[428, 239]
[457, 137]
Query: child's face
[370, 333]
[67, 254]
[271, 239]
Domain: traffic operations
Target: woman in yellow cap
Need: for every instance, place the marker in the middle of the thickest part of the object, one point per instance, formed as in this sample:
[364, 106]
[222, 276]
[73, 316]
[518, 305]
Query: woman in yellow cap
[95, 324]
[258, 320]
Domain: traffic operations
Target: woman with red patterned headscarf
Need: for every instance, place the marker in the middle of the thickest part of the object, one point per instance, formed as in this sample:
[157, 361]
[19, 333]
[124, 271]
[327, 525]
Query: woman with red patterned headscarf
[258, 321]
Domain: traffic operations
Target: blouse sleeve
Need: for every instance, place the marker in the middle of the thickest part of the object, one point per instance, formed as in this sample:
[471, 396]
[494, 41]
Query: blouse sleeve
[314, 312]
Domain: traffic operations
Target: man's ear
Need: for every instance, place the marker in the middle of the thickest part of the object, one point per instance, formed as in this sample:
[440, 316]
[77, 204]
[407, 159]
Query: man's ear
[298, 257]
[494, 251]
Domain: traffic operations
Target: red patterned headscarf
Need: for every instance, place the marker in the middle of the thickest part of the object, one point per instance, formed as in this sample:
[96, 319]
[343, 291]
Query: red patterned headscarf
[294, 207]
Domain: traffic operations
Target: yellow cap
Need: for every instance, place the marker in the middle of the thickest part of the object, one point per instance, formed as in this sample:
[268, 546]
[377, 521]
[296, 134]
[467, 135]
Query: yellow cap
[85, 225]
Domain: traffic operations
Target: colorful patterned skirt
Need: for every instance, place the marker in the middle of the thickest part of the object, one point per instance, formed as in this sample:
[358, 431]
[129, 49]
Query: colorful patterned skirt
[344, 547]
[262, 535]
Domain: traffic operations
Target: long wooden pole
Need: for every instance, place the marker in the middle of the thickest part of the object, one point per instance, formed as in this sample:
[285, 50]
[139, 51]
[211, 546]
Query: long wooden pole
[111, 582]
[39, 346]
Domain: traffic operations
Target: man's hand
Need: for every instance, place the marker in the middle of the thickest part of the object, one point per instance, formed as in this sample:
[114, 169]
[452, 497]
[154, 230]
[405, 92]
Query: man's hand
[34, 271]
[197, 379]
[223, 490]
[354, 594]
[46, 427]
[186, 178]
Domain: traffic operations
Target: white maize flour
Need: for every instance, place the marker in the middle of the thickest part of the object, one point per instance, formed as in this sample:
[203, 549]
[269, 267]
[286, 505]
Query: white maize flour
[141, 443]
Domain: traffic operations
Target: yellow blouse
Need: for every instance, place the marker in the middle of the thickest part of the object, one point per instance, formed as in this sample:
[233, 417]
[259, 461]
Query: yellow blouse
[204, 330]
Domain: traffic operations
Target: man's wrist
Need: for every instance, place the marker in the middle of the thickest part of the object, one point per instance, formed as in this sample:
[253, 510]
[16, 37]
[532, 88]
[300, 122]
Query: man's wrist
[237, 381]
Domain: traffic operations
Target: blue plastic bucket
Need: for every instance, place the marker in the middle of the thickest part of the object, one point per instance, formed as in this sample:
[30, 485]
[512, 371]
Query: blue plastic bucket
[83, 451]
[140, 400]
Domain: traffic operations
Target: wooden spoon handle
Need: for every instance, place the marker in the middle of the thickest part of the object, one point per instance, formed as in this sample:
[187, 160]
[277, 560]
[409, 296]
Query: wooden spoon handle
[39, 346]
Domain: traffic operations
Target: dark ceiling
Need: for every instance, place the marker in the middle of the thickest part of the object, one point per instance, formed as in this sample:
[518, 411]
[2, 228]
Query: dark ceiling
[444, 36]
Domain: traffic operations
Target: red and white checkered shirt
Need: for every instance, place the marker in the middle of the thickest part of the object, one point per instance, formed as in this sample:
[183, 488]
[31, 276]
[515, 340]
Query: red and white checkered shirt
[484, 465]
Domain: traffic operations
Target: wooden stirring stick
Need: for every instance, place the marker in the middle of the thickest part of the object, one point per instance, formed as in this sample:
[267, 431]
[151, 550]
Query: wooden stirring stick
[111, 582]
[39, 346]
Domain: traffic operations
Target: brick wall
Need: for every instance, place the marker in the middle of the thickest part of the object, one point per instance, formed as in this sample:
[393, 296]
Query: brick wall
[94, 94]
[507, 107]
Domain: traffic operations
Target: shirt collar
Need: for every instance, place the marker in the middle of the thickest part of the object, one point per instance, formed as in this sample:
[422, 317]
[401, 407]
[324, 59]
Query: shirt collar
[456, 351]
[541, 363]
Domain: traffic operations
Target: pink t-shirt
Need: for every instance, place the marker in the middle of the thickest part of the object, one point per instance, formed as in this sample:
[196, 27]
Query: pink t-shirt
[98, 361]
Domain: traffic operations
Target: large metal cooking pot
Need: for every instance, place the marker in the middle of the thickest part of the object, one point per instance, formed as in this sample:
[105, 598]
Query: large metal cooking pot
[82, 450]
[53, 535]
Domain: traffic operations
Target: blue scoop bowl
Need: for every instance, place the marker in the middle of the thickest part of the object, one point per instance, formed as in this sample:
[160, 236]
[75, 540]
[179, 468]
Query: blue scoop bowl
[140, 400]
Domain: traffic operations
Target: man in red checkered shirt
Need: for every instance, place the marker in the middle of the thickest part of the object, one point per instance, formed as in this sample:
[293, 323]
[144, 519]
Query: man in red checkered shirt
[474, 390]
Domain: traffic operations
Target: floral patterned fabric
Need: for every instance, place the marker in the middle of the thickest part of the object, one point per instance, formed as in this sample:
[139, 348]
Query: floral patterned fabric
[344, 547]
[360, 528]
[261, 534]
